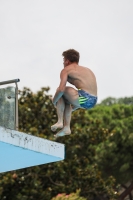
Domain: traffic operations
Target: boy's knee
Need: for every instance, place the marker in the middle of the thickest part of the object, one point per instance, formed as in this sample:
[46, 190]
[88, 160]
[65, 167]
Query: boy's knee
[67, 89]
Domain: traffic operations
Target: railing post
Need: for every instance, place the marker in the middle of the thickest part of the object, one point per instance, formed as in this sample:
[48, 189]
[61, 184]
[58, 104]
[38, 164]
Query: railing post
[16, 109]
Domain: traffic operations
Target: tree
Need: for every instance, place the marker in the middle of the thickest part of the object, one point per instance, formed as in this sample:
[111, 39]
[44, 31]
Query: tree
[77, 171]
[114, 155]
[118, 145]
[72, 196]
[111, 100]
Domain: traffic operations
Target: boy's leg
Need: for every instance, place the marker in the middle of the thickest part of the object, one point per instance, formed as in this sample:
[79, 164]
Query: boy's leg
[71, 98]
[60, 113]
[67, 118]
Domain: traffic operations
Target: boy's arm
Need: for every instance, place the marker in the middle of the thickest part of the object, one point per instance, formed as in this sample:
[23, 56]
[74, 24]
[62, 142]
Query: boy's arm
[60, 90]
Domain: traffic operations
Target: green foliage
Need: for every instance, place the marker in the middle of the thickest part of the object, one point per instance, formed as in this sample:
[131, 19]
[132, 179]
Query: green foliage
[36, 112]
[100, 144]
[118, 150]
[110, 101]
[72, 196]
[114, 156]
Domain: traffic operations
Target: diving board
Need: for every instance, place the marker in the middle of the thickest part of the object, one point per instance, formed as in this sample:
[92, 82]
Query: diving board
[20, 150]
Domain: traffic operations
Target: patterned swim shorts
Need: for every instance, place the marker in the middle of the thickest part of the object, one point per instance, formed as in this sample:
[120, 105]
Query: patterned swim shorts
[86, 100]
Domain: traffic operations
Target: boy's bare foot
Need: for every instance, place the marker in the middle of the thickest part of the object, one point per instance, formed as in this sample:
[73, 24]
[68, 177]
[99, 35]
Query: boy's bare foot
[56, 126]
[63, 132]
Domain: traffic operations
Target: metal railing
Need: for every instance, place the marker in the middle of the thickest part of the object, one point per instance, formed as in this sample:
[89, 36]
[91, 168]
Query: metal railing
[16, 97]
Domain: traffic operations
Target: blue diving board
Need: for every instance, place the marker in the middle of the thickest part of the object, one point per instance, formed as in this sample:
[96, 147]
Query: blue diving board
[20, 150]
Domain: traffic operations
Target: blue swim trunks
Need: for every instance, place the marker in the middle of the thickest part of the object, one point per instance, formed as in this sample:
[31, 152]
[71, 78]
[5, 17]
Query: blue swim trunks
[86, 100]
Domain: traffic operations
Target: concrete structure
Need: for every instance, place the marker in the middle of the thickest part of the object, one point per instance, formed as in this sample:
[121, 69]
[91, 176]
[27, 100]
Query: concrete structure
[20, 150]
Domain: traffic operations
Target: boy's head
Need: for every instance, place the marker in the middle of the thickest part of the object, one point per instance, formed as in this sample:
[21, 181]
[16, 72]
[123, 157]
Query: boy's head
[71, 55]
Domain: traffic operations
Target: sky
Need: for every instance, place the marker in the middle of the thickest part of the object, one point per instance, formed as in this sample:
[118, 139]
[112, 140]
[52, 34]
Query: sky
[34, 33]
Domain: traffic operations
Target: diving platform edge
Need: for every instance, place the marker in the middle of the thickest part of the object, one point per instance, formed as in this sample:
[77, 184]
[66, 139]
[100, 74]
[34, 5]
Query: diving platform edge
[21, 150]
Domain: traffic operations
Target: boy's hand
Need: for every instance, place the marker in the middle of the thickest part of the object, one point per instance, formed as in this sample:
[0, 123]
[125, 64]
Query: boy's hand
[51, 98]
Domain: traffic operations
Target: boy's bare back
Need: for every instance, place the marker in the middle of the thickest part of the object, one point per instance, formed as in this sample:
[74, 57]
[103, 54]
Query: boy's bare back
[82, 78]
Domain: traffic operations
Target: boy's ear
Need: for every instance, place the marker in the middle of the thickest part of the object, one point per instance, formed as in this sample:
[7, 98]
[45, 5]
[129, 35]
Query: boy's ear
[68, 62]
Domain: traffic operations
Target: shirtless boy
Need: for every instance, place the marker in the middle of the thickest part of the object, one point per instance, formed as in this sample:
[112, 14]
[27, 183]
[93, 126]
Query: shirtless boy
[68, 99]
